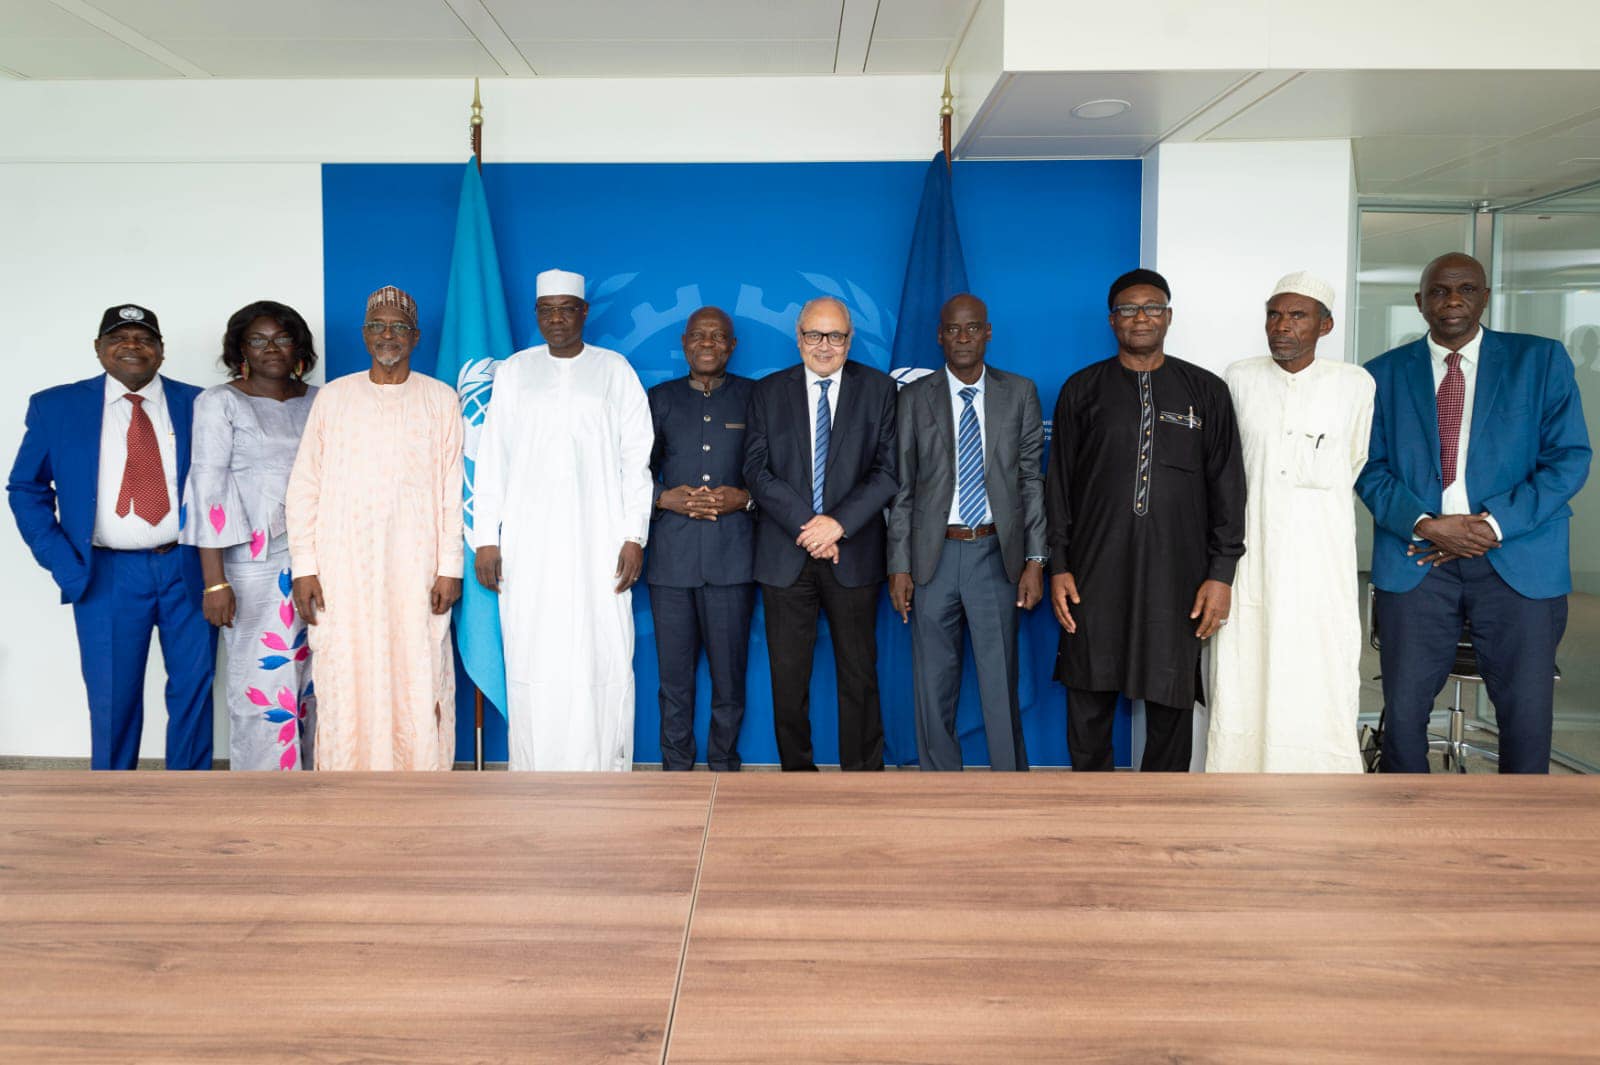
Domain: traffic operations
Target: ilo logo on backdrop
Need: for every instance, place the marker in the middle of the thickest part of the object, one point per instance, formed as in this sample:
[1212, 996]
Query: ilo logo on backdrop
[644, 320]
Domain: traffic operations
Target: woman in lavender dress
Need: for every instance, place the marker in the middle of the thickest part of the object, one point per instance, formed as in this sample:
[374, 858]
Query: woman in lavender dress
[246, 433]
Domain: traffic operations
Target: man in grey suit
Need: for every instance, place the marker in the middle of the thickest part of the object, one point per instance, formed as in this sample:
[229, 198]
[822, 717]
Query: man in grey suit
[967, 534]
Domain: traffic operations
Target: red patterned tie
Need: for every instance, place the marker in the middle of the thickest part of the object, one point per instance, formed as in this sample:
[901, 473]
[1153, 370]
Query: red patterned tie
[144, 483]
[1452, 397]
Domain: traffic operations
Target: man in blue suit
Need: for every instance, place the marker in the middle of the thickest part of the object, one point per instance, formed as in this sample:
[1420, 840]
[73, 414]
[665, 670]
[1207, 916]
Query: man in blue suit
[96, 494]
[1478, 444]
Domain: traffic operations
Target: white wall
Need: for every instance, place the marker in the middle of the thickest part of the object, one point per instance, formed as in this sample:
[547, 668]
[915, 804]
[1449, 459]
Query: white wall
[194, 198]
[190, 241]
[526, 120]
[1224, 221]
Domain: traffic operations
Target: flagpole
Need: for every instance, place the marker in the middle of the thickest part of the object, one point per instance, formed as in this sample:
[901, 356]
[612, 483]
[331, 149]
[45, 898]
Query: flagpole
[946, 110]
[475, 131]
[475, 125]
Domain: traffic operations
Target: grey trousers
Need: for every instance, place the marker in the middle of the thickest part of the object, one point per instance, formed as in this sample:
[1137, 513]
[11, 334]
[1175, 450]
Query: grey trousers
[970, 582]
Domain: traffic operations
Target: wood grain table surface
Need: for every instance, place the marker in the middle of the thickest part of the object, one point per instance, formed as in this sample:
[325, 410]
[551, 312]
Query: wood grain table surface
[826, 918]
[1137, 918]
[154, 917]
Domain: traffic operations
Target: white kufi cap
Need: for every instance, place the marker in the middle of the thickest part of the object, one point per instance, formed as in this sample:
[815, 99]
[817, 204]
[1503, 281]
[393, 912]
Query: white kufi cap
[558, 283]
[1303, 284]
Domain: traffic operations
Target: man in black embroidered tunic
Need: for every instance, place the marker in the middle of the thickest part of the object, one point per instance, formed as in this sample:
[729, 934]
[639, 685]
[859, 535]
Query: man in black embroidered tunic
[1145, 502]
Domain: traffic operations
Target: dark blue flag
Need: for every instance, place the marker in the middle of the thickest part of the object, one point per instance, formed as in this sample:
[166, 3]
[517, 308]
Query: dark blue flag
[935, 271]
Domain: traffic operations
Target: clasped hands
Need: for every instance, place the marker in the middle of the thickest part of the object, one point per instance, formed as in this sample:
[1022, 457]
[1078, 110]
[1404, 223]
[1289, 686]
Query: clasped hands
[1212, 604]
[1453, 536]
[820, 538]
[704, 502]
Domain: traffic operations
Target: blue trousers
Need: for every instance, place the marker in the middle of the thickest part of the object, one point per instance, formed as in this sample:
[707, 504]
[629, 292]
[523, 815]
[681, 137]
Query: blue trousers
[970, 582]
[716, 617]
[1515, 638]
[130, 594]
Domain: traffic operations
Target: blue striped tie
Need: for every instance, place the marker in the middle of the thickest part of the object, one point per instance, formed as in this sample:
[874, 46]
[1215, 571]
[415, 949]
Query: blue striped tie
[819, 454]
[969, 464]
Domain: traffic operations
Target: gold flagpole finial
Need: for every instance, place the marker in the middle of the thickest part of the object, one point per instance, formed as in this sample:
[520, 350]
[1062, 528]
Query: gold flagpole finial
[475, 125]
[946, 109]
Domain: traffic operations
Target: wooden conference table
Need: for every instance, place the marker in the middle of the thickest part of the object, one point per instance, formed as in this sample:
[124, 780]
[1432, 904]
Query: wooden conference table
[752, 918]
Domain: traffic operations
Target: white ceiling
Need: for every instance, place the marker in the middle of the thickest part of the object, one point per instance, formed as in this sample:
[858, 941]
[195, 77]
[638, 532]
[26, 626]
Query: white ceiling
[51, 39]
[1420, 136]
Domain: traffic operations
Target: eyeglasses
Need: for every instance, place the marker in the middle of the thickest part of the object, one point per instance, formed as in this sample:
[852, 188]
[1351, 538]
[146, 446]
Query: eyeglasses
[970, 329]
[282, 340]
[401, 329]
[1151, 310]
[557, 310]
[815, 338]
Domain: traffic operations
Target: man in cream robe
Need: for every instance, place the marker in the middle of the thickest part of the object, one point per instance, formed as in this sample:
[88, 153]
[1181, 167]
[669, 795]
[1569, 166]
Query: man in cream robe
[562, 507]
[1285, 669]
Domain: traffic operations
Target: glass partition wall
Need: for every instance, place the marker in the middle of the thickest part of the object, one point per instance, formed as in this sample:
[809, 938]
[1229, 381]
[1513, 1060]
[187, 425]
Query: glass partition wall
[1544, 268]
[1546, 280]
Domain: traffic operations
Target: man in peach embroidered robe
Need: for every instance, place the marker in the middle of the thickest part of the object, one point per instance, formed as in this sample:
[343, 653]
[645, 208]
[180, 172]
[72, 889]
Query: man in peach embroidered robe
[374, 523]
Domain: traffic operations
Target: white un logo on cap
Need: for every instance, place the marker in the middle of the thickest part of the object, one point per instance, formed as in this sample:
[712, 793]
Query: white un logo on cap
[131, 314]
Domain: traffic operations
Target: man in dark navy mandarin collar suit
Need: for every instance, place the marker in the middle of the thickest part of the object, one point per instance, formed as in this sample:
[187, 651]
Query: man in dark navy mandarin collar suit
[95, 491]
[1478, 444]
[820, 462]
[701, 543]
[967, 534]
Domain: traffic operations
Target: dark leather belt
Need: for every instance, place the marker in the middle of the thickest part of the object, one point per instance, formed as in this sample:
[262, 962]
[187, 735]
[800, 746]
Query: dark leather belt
[161, 550]
[966, 532]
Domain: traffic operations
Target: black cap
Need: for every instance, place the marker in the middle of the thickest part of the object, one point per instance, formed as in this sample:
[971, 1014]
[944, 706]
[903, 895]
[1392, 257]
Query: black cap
[128, 314]
[1136, 277]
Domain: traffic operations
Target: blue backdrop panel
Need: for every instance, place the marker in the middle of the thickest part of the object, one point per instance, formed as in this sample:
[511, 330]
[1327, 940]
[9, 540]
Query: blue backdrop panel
[657, 241]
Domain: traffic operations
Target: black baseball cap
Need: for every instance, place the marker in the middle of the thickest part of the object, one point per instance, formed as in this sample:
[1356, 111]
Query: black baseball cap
[128, 314]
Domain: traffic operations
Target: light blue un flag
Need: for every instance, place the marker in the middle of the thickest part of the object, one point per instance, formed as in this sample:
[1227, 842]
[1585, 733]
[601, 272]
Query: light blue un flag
[475, 340]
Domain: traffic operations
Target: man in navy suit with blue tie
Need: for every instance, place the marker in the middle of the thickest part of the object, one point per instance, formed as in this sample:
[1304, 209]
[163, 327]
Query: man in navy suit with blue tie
[1478, 445]
[820, 461]
[96, 494]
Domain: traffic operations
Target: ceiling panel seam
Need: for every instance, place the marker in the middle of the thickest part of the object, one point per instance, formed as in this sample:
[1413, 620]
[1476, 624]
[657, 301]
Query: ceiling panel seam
[961, 35]
[1270, 92]
[1530, 137]
[473, 15]
[130, 37]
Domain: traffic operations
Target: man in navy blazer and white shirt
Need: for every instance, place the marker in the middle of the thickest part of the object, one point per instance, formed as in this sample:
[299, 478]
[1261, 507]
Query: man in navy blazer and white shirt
[96, 492]
[820, 462]
[1478, 445]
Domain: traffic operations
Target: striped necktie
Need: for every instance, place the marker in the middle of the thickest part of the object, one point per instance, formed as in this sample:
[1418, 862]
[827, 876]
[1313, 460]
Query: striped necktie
[144, 482]
[819, 453]
[969, 464]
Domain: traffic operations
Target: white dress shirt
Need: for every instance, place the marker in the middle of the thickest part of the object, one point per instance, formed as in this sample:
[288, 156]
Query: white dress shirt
[957, 404]
[1455, 493]
[813, 390]
[131, 532]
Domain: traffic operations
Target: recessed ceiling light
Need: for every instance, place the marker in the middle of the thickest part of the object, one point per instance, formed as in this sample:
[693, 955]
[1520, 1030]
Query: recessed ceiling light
[1101, 108]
